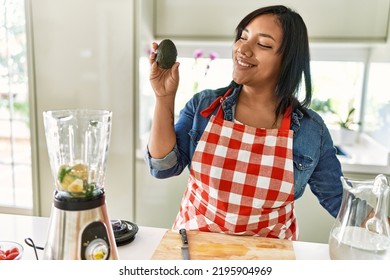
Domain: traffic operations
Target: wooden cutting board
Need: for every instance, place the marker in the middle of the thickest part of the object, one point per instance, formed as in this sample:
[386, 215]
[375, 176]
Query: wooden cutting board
[218, 246]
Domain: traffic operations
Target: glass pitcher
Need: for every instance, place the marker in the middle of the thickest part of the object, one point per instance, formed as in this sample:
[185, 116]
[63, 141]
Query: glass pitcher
[361, 229]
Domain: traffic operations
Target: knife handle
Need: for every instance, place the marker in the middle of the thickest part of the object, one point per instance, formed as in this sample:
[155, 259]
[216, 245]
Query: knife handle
[183, 234]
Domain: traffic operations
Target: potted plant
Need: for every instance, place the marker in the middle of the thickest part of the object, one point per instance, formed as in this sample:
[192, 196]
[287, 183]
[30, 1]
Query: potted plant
[347, 133]
[348, 121]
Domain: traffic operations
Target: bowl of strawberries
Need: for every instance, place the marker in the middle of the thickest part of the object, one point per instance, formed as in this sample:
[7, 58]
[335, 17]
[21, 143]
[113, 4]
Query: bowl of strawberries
[10, 250]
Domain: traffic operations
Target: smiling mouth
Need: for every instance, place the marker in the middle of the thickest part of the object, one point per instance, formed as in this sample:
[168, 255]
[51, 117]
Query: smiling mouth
[244, 64]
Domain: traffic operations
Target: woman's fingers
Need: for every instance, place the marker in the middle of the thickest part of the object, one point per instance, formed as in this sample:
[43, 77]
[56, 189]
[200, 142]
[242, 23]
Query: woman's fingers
[153, 53]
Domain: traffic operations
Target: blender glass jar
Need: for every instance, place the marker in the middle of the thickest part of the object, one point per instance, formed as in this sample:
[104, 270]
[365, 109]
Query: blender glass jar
[77, 142]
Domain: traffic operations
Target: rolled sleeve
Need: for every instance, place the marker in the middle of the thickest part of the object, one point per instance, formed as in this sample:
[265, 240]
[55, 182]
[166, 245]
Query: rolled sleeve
[162, 163]
[164, 167]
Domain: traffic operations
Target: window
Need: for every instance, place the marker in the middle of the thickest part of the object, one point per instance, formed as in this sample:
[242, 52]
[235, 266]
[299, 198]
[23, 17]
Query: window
[15, 148]
[377, 109]
[337, 82]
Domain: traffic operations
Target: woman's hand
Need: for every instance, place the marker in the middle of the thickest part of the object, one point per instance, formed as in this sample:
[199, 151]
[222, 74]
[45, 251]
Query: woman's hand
[164, 81]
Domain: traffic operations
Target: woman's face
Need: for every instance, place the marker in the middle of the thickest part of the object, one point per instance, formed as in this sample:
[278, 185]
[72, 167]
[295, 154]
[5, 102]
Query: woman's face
[255, 55]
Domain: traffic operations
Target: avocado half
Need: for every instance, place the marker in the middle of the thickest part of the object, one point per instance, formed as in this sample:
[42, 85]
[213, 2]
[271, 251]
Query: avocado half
[166, 54]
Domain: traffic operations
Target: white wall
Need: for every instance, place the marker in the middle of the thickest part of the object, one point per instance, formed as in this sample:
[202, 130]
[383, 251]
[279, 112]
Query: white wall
[83, 58]
[327, 21]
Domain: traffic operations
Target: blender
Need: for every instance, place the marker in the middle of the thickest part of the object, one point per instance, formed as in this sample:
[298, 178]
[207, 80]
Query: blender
[77, 143]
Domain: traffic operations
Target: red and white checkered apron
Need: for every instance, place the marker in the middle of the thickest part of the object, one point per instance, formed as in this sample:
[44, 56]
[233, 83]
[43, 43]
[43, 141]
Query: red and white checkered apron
[241, 180]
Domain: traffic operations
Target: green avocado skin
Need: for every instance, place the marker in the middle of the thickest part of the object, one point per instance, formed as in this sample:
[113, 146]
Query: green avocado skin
[166, 54]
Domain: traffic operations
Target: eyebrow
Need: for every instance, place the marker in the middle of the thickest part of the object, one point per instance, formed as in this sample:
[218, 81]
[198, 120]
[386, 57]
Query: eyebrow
[262, 34]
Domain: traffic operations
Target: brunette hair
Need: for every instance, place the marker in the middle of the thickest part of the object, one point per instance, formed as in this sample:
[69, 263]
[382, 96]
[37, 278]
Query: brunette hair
[295, 56]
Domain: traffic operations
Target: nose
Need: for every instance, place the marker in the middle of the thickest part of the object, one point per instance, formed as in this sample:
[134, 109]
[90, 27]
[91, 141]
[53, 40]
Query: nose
[245, 49]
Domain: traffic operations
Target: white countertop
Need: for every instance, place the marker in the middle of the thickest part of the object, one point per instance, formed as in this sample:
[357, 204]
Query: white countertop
[364, 156]
[18, 228]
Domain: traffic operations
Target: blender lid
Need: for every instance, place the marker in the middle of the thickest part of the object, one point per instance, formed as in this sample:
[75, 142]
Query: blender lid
[124, 231]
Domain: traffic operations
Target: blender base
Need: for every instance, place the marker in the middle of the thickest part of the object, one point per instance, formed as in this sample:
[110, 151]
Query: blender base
[80, 234]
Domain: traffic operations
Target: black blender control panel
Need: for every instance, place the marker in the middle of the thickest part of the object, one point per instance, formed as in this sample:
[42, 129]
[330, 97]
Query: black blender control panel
[95, 243]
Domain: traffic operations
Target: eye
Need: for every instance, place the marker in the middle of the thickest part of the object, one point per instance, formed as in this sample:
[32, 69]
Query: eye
[243, 38]
[264, 46]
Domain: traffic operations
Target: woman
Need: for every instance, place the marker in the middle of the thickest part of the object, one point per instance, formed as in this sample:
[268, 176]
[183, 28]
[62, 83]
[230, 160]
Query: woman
[251, 147]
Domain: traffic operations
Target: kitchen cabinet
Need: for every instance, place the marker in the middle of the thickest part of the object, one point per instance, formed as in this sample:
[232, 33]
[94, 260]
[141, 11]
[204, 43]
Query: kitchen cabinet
[327, 21]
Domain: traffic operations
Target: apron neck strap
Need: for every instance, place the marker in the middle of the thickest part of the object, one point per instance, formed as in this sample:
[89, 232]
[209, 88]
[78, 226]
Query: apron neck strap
[209, 110]
[286, 119]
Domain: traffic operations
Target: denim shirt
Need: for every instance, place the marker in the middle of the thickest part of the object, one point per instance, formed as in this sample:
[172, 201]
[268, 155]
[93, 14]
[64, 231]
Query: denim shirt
[314, 156]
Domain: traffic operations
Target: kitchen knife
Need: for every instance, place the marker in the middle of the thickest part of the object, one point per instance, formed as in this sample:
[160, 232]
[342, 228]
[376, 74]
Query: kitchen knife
[185, 253]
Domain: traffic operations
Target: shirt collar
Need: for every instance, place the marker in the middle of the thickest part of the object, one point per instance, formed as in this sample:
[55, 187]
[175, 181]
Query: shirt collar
[231, 100]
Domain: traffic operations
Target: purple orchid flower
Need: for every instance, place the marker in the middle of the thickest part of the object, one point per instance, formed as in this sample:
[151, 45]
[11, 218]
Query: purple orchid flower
[198, 53]
[213, 55]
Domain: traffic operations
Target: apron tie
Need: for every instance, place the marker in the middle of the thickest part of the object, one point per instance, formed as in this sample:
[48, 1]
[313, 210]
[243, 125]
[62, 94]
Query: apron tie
[209, 110]
[286, 122]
